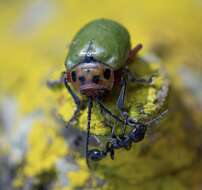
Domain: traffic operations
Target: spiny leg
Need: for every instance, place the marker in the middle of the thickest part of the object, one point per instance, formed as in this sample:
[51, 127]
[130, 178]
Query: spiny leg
[90, 104]
[77, 102]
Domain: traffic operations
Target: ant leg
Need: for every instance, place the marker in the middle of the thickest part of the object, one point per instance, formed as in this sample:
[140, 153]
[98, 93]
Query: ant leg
[77, 101]
[126, 142]
[106, 110]
[90, 105]
[156, 120]
[121, 99]
[110, 149]
[112, 126]
[121, 106]
[115, 117]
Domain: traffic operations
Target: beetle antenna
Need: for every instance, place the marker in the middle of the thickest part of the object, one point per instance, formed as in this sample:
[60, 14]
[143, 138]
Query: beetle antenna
[90, 105]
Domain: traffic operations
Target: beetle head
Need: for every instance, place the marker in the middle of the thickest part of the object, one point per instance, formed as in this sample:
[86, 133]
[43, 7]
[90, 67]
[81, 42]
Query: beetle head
[92, 79]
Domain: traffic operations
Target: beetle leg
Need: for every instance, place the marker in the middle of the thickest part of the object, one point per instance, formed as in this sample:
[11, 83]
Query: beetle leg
[133, 78]
[134, 51]
[77, 101]
[56, 84]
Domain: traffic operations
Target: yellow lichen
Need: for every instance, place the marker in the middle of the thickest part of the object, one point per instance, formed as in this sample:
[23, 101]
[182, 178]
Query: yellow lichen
[44, 149]
[150, 106]
[80, 177]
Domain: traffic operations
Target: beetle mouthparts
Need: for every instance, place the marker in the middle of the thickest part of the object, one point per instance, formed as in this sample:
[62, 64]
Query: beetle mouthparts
[92, 89]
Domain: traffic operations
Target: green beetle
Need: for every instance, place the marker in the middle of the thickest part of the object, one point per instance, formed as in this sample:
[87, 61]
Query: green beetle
[97, 55]
[97, 63]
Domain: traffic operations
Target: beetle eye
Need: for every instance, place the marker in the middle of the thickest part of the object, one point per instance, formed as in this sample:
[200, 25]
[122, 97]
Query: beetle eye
[73, 75]
[107, 73]
[82, 79]
[96, 79]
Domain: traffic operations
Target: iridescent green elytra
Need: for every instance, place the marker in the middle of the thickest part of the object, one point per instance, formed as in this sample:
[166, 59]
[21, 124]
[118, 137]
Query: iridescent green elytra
[110, 44]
